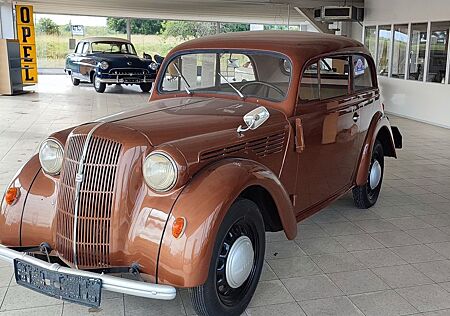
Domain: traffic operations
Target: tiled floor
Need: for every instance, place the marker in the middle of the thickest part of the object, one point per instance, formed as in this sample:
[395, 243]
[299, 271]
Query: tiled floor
[393, 259]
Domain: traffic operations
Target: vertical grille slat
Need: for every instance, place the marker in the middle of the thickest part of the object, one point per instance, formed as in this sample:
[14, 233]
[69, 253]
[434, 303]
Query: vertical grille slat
[95, 203]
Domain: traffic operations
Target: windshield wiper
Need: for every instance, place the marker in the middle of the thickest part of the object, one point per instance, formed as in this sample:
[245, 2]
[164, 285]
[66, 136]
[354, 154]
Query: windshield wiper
[184, 79]
[239, 93]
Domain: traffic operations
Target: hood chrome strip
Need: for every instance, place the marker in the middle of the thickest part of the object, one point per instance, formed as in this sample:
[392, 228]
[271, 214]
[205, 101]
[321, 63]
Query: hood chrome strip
[79, 181]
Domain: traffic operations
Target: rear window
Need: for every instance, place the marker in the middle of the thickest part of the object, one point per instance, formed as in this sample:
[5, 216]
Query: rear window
[361, 73]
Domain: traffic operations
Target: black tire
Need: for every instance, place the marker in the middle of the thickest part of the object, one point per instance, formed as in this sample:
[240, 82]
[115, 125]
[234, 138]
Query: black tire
[216, 297]
[146, 87]
[75, 81]
[365, 196]
[98, 86]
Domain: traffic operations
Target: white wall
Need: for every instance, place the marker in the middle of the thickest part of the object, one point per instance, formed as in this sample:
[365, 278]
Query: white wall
[422, 101]
[6, 20]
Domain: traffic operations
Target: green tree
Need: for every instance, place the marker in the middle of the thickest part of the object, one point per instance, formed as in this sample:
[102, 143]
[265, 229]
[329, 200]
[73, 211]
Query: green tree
[234, 27]
[138, 26]
[191, 29]
[48, 26]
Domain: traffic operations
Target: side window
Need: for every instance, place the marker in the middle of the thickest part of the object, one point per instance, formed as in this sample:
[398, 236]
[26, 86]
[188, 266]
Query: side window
[334, 77]
[85, 48]
[309, 86]
[79, 48]
[362, 73]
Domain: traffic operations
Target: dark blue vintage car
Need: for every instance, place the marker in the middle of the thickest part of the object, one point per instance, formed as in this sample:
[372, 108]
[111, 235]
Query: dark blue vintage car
[109, 60]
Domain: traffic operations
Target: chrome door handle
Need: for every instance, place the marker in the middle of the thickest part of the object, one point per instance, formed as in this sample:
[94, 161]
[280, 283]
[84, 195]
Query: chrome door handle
[355, 117]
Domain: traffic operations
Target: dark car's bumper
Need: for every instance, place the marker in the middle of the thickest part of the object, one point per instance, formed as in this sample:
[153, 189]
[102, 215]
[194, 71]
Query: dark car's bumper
[127, 76]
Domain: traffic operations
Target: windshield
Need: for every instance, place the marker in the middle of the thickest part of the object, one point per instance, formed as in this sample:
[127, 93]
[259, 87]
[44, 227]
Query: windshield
[244, 74]
[113, 48]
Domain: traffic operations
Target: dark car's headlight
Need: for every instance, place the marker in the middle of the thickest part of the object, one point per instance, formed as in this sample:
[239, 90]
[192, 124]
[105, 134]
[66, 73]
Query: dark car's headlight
[160, 171]
[51, 155]
[104, 65]
[153, 66]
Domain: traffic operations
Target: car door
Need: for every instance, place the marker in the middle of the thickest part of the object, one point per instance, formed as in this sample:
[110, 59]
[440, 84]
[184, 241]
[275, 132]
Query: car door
[72, 60]
[84, 62]
[328, 116]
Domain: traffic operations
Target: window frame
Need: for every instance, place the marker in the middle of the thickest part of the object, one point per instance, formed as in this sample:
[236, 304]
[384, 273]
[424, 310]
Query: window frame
[352, 93]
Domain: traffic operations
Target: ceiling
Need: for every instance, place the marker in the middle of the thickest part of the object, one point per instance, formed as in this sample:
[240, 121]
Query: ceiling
[248, 11]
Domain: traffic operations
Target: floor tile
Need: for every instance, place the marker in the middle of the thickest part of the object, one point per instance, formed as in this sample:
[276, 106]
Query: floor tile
[19, 297]
[294, 267]
[142, 306]
[376, 226]
[341, 228]
[282, 249]
[356, 282]
[358, 242]
[429, 235]
[55, 310]
[426, 297]
[316, 246]
[443, 248]
[411, 222]
[310, 231]
[6, 274]
[417, 253]
[402, 276]
[311, 287]
[395, 238]
[438, 271]
[384, 303]
[378, 258]
[109, 307]
[337, 262]
[269, 293]
[338, 306]
[287, 309]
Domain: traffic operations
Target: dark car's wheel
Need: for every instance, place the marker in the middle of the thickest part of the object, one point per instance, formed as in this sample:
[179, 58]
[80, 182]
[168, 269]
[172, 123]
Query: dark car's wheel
[366, 195]
[75, 81]
[98, 86]
[145, 87]
[236, 263]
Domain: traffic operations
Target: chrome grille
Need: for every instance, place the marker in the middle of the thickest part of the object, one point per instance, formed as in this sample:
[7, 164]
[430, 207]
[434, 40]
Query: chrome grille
[128, 71]
[261, 147]
[95, 201]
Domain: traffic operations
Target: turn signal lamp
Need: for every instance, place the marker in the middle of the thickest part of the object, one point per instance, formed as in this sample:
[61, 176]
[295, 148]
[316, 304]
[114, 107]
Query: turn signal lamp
[12, 195]
[178, 227]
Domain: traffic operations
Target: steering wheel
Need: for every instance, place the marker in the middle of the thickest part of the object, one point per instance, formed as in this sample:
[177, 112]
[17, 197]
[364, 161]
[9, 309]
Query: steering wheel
[262, 83]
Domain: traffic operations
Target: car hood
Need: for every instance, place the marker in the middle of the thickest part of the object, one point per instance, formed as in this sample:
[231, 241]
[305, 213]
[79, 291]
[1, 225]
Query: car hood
[173, 119]
[123, 60]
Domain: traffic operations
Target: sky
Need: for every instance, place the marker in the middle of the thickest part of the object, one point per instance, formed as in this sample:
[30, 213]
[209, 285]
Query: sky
[75, 20]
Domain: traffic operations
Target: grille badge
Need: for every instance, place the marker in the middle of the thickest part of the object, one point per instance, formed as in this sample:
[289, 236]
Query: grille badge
[79, 178]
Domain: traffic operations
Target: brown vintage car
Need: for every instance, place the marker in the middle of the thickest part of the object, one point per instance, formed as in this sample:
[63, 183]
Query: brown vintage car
[244, 133]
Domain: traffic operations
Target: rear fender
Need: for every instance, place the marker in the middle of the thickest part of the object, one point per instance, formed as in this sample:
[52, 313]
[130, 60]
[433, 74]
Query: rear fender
[379, 128]
[184, 262]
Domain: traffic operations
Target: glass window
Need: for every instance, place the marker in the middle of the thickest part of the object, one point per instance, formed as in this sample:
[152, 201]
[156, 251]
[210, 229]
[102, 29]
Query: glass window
[85, 48]
[418, 44]
[255, 74]
[309, 86]
[399, 51]
[79, 48]
[362, 73]
[334, 77]
[113, 48]
[384, 45]
[370, 39]
[437, 62]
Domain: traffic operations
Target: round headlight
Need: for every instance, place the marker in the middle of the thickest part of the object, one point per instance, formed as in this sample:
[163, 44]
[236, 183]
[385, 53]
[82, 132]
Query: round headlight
[153, 66]
[104, 65]
[160, 171]
[51, 155]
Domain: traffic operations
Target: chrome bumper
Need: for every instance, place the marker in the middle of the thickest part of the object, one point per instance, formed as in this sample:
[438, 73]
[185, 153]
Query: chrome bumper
[109, 283]
[122, 80]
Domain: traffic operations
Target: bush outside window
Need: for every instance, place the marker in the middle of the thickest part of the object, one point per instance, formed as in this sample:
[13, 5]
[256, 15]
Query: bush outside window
[399, 51]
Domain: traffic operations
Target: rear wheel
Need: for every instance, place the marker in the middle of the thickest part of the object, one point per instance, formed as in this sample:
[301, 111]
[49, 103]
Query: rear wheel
[98, 86]
[146, 87]
[75, 81]
[366, 195]
[236, 263]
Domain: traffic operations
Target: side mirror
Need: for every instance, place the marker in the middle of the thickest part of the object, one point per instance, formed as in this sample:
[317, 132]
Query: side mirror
[159, 59]
[146, 56]
[254, 119]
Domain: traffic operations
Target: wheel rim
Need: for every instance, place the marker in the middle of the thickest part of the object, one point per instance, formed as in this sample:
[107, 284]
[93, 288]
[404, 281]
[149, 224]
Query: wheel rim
[375, 174]
[97, 82]
[237, 262]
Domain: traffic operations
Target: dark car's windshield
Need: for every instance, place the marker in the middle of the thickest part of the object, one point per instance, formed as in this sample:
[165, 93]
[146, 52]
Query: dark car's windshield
[113, 47]
[247, 74]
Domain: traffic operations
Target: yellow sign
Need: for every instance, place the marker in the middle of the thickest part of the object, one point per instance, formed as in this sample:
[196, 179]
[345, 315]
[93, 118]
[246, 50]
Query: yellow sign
[26, 37]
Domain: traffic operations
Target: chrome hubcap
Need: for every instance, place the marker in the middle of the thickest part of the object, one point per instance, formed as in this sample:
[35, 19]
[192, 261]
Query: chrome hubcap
[375, 175]
[240, 262]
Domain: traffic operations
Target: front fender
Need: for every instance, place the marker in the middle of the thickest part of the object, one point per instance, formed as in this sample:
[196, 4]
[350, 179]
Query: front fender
[184, 262]
[380, 123]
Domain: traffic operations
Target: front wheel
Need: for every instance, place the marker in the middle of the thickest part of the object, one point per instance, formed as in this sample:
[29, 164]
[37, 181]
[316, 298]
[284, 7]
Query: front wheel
[98, 85]
[236, 263]
[366, 195]
[75, 81]
[146, 87]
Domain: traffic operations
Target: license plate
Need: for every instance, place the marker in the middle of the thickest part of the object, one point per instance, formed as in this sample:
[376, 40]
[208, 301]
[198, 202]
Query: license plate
[73, 288]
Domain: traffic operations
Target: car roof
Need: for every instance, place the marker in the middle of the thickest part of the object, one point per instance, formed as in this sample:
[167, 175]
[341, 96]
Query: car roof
[292, 43]
[104, 39]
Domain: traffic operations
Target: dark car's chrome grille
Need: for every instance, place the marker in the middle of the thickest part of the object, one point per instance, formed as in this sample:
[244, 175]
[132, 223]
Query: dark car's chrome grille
[95, 201]
[261, 147]
[128, 71]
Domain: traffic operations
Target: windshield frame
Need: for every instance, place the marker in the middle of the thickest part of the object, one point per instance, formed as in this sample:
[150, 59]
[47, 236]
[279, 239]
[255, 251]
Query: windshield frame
[113, 42]
[248, 52]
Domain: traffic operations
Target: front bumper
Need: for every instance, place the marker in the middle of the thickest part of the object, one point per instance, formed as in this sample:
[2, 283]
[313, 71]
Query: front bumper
[109, 283]
[125, 80]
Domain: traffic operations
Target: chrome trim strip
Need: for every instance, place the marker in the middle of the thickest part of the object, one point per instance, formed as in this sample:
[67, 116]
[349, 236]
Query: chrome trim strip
[78, 181]
[109, 282]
